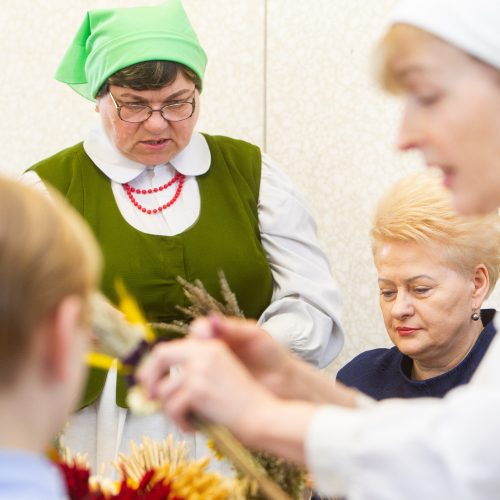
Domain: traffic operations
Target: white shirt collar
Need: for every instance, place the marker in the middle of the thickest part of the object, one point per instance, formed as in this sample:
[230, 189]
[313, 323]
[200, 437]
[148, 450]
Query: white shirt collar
[193, 160]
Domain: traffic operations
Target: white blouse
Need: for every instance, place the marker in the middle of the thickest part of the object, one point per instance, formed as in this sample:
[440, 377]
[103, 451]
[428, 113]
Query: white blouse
[304, 313]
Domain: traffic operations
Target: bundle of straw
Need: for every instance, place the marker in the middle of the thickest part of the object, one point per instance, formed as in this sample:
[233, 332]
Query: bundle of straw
[121, 334]
[150, 455]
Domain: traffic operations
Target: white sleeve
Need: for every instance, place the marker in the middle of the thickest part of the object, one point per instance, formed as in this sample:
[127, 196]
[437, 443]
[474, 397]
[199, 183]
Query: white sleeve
[33, 180]
[304, 314]
[413, 449]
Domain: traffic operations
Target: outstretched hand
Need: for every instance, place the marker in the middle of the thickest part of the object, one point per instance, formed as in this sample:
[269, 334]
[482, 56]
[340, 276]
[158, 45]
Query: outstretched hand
[280, 371]
[268, 362]
[232, 372]
[208, 380]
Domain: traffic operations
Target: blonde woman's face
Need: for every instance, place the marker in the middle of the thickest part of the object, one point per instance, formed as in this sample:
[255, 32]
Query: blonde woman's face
[426, 304]
[452, 116]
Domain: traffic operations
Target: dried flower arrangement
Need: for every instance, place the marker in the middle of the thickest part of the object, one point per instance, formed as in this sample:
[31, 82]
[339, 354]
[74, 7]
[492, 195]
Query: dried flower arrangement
[288, 476]
[202, 304]
[153, 471]
[116, 337]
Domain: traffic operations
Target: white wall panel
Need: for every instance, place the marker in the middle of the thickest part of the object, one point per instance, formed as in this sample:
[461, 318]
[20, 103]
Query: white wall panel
[232, 33]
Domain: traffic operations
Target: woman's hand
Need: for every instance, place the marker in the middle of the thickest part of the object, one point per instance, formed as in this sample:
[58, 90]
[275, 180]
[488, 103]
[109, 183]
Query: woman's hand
[282, 373]
[232, 372]
[208, 380]
[268, 362]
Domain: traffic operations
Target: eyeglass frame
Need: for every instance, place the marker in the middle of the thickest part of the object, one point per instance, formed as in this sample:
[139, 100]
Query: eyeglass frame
[152, 110]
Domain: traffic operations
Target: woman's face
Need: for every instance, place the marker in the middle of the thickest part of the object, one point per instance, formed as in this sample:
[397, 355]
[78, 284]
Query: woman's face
[426, 305]
[452, 116]
[156, 140]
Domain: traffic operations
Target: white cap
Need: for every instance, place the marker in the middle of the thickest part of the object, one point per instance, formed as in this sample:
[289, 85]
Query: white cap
[471, 25]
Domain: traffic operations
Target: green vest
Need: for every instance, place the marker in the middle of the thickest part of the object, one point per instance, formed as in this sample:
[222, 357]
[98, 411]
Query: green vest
[225, 236]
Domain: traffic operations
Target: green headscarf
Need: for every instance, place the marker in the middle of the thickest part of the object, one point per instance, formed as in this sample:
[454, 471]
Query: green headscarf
[112, 39]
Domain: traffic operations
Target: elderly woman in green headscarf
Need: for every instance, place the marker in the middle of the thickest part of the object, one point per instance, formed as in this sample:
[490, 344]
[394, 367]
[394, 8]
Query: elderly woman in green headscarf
[166, 201]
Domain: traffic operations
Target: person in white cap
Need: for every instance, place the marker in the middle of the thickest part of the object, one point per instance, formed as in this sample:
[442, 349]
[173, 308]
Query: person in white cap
[443, 56]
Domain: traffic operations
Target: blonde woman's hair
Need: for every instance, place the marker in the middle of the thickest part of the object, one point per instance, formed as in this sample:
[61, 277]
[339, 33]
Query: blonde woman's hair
[419, 209]
[397, 41]
[47, 253]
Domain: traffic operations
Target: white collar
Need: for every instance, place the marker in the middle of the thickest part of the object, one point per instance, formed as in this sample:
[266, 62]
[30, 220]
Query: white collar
[194, 159]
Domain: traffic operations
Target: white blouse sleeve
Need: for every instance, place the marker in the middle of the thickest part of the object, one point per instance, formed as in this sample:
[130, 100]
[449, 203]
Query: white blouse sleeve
[413, 449]
[33, 180]
[304, 314]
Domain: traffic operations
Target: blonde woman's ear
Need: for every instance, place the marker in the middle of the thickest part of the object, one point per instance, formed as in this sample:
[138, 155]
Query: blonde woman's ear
[481, 282]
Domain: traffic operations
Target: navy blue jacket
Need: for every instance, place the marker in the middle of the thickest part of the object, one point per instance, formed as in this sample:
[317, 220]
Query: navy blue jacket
[386, 373]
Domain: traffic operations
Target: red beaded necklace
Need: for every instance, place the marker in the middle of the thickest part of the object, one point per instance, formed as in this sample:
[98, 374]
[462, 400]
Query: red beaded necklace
[178, 177]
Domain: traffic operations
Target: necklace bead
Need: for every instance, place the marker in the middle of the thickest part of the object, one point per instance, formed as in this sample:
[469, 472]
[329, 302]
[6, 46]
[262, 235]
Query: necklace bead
[178, 178]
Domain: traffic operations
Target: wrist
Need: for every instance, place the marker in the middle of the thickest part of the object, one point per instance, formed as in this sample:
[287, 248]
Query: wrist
[306, 382]
[279, 427]
[290, 383]
[299, 379]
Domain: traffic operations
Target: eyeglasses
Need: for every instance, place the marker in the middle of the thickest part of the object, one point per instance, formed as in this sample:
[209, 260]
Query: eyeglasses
[174, 111]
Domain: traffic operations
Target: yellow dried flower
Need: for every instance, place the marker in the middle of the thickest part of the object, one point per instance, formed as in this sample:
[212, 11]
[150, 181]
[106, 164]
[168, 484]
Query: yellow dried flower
[211, 446]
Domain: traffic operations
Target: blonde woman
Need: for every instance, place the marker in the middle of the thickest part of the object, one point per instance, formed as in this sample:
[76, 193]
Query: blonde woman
[49, 264]
[443, 56]
[435, 269]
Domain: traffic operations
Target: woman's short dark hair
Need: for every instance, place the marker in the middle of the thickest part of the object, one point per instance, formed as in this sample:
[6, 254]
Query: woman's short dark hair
[149, 75]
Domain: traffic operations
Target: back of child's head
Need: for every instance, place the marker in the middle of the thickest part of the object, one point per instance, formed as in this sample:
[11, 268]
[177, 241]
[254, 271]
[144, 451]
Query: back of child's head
[47, 253]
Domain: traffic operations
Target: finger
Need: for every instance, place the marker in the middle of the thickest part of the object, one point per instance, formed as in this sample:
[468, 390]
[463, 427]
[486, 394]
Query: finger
[178, 408]
[231, 330]
[163, 356]
[202, 328]
[166, 386]
[175, 402]
[234, 331]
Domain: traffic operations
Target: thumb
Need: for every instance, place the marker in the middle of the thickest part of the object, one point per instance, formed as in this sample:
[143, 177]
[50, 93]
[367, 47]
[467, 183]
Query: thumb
[232, 331]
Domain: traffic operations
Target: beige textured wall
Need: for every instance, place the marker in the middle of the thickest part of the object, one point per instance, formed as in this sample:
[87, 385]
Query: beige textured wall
[293, 76]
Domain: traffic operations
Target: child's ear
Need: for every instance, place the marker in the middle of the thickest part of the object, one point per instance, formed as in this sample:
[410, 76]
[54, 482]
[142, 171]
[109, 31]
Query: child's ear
[63, 327]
